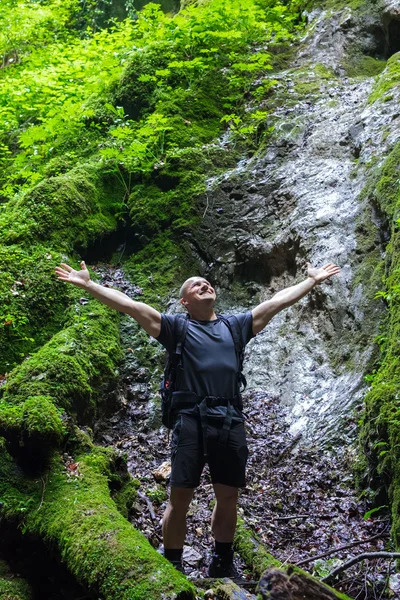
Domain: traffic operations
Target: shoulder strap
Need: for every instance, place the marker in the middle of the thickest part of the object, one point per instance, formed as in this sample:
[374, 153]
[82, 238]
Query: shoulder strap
[180, 328]
[233, 325]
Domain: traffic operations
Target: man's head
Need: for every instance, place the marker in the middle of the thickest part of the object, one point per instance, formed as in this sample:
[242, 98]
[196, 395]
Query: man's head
[197, 292]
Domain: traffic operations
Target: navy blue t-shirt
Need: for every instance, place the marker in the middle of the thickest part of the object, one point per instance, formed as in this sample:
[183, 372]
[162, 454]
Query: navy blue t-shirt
[209, 360]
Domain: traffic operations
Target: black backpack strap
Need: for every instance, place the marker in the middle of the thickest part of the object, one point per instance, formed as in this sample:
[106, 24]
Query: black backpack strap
[180, 329]
[168, 383]
[232, 322]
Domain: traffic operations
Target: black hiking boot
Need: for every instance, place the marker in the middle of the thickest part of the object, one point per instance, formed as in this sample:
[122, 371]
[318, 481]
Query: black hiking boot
[178, 565]
[222, 566]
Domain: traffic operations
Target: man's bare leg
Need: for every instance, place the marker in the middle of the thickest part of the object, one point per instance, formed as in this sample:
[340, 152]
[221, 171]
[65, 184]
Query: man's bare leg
[223, 523]
[223, 520]
[174, 519]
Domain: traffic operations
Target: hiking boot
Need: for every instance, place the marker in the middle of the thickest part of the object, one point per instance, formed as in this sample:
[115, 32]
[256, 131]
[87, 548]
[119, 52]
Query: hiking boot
[222, 566]
[178, 565]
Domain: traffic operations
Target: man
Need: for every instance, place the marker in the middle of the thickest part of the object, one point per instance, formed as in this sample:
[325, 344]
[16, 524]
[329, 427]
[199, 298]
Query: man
[209, 369]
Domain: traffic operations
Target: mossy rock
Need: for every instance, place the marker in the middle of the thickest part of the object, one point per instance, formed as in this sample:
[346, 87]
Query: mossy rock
[390, 78]
[74, 513]
[66, 211]
[160, 269]
[36, 421]
[364, 66]
[69, 373]
[380, 432]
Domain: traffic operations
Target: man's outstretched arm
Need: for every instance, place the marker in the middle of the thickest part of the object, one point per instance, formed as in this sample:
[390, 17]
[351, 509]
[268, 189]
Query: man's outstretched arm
[264, 312]
[146, 316]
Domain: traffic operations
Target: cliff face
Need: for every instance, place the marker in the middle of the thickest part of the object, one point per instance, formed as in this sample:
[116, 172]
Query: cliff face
[304, 199]
[237, 142]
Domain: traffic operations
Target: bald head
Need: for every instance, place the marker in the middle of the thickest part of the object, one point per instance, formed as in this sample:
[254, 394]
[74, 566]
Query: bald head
[186, 285]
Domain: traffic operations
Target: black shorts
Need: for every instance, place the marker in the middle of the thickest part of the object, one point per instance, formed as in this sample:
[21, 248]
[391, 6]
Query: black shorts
[227, 463]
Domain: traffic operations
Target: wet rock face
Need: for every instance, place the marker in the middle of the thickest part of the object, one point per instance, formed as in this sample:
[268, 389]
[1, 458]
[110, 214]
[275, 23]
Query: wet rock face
[300, 203]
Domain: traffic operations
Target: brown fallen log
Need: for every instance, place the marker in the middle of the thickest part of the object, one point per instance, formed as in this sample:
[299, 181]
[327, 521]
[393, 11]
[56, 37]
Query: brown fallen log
[291, 584]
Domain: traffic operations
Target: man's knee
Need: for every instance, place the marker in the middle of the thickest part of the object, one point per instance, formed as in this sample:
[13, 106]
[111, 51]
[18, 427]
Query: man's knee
[180, 498]
[225, 494]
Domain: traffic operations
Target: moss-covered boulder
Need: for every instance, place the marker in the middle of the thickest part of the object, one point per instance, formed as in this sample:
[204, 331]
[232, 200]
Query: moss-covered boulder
[388, 82]
[67, 376]
[70, 507]
[67, 210]
[32, 301]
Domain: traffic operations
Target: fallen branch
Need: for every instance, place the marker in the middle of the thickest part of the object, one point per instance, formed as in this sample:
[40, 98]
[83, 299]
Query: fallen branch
[149, 505]
[290, 517]
[287, 448]
[356, 559]
[337, 549]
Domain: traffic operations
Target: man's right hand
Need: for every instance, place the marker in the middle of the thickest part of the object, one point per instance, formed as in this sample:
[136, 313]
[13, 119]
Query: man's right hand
[79, 278]
[146, 316]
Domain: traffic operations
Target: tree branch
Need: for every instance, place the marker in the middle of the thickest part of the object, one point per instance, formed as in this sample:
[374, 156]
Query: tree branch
[357, 559]
[329, 552]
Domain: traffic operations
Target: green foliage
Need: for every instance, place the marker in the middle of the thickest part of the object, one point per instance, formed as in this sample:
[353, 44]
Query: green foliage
[157, 495]
[32, 302]
[184, 75]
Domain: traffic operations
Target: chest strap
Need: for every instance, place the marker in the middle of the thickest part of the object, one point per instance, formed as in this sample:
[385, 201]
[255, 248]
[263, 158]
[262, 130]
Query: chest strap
[182, 400]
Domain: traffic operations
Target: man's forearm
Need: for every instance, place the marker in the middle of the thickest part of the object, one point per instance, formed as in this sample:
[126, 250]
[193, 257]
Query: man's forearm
[110, 297]
[291, 295]
[264, 312]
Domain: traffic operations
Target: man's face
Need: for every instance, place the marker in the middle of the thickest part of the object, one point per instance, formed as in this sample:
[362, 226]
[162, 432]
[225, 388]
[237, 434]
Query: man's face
[198, 290]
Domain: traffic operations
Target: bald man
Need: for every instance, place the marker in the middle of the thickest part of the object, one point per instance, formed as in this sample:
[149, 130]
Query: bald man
[209, 370]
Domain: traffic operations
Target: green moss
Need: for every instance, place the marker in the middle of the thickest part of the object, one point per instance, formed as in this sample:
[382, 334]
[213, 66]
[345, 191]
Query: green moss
[73, 512]
[126, 496]
[35, 420]
[252, 551]
[364, 66]
[68, 373]
[160, 269]
[389, 79]
[68, 210]
[301, 84]
[12, 586]
[381, 422]
[167, 198]
[32, 301]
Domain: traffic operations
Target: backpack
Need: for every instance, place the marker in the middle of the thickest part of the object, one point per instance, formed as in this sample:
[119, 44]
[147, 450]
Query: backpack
[174, 362]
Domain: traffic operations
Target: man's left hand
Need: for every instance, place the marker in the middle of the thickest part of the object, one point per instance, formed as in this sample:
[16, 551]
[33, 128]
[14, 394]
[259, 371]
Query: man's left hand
[319, 274]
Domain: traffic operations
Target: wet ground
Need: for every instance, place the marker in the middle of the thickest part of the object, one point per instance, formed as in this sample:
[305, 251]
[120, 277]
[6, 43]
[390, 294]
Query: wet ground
[300, 501]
